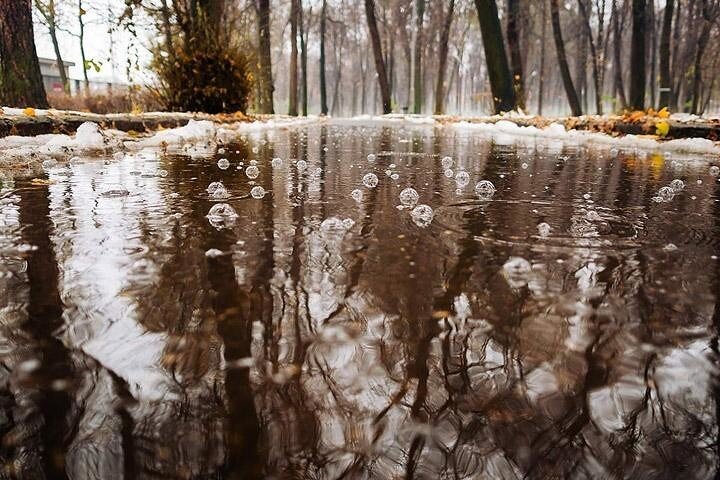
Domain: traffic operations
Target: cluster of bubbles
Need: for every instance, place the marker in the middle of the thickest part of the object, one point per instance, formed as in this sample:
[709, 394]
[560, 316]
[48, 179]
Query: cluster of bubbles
[667, 193]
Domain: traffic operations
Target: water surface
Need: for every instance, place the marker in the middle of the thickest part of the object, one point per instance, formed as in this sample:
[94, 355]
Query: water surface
[141, 339]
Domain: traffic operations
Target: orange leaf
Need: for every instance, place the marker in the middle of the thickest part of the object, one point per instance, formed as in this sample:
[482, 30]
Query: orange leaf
[663, 113]
[29, 111]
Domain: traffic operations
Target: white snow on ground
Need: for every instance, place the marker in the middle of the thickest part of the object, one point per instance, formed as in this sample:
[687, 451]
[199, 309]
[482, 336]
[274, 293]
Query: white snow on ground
[16, 150]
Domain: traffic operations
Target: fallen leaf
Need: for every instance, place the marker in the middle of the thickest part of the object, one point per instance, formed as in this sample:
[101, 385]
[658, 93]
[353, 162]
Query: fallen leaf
[41, 181]
[29, 111]
[664, 113]
[662, 128]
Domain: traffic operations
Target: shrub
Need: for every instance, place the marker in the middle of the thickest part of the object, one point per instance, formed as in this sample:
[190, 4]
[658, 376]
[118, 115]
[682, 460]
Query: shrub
[205, 74]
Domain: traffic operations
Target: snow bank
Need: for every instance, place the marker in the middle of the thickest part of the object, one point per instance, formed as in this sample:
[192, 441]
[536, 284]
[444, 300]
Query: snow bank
[506, 132]
[195, 130]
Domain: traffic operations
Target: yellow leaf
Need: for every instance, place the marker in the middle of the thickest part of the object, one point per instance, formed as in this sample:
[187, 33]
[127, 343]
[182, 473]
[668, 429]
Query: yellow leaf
[662, 128]
[29, 111]
[41, 181]
[663, 113]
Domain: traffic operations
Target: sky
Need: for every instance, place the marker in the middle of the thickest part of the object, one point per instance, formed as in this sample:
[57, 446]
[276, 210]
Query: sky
[98, 43]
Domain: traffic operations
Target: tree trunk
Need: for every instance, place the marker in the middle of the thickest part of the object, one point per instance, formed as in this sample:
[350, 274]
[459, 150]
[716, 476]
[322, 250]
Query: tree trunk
[323, 79]
[303, 61]
[595, 57]
[378, 54]
[637, 55]
[570, 91]
[264, 57]
[442, 60]
[83, 58]
[501, 84]
[20, 79]
[49, 15]
[665, 75]
[293, 83]
[541, 80]
[697, 74]
[417, 67]
[617, 56]
[513, 39]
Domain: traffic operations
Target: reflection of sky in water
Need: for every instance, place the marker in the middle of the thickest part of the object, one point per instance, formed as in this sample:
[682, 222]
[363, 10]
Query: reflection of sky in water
[318, 334]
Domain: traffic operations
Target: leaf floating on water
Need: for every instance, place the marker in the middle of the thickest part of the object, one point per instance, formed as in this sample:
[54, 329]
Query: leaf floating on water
[41, 181]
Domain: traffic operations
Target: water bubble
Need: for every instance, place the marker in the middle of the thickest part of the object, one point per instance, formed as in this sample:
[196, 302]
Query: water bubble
[392, 165]
[357, 195]
[485, 189]
[255, 149]
[388, 172]
[715, 171]
[253, 162]
[446, 162]
[371, 157]
[348, 223]
[524, 166]
[422, 215]
[449, 173]
[543, 229]
[592, 216]
[117, 156]
[301, 165]
[395, 176]
[587, 196]
[276, 162]
[222, 215]
[614, 152]
[213, 253]
[462, 178]
[516, 271]
[670, 247]
[217, 191]
[223, 164]
[370, 180]
[252, 172]
[335, 225]
[257, 192]
[221, 151]
[115, 192]
[409, 197]
[48, 164]
[666, 193]
[677, 185]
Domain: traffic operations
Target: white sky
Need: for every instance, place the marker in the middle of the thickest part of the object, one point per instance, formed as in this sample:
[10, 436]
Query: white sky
[98, 42]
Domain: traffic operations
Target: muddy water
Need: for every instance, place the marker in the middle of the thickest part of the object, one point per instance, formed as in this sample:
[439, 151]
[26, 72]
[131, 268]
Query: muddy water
[140, 339]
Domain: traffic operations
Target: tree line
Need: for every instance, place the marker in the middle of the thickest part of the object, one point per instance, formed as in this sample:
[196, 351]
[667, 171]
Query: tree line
[349, 57]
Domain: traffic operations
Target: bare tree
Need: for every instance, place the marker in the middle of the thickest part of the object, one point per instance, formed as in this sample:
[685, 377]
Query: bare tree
[379, 60]
[501, 83]
[262, 8]
[570, 91]
[442, 60]
[417, 69]
[49, 14]
[637, 54]
[293, 95]
[665, 74]
[513, 39]
[323, 80]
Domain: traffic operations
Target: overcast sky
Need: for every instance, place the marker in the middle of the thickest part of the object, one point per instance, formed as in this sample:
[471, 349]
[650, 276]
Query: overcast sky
[97, 42]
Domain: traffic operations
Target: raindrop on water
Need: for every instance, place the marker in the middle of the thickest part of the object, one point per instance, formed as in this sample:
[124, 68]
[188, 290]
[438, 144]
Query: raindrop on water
[217, 191]
[222, 215]
[449, 173]
[446, 162]
[371, 157]
[301, 165]
[715, 171]
[666, 193]
[276, 162]
[524, 166]
[223, 164]
[677, 185]
[357, 195]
